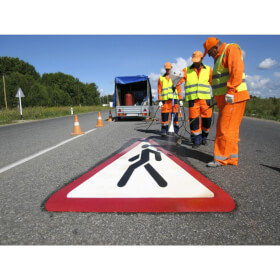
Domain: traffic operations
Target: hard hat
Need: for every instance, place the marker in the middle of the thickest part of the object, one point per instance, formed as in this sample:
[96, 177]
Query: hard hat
[167, 65]
[209, 44]
[197, 56]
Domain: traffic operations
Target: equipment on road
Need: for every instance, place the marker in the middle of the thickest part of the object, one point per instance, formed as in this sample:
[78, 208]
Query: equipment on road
[153, 118]
[99, 121]
[175, 76]
[77, 130]
[133, 97]
[110, 116]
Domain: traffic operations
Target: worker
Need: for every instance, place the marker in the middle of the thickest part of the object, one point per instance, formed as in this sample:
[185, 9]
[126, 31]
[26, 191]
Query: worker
[166, 89]
[230, 91]
[197, 79]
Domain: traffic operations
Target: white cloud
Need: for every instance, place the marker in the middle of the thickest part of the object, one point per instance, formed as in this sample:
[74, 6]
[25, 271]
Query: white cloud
[267, 63]
[256, 82]
[243, 53]
[263, 87]
[276, 74]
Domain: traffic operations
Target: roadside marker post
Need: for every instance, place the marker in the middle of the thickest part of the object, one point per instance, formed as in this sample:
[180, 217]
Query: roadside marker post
[20, 94]
[142, 178]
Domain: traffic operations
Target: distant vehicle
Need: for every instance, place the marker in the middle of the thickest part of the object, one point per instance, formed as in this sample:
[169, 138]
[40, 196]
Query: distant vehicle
[133, 97]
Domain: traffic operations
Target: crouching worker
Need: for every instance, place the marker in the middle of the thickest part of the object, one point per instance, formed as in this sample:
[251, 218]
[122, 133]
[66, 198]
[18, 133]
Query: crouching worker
[165, 97]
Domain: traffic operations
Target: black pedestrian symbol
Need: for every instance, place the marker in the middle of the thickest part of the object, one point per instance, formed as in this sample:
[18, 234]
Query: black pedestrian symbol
[145, 157]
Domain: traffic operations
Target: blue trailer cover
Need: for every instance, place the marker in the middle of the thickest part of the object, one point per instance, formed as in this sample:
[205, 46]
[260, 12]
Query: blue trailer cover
[128, 80]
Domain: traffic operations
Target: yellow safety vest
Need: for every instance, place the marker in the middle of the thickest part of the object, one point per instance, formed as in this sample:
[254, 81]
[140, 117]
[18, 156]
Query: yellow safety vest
[197, 87]
[166, 92]
[221, 76]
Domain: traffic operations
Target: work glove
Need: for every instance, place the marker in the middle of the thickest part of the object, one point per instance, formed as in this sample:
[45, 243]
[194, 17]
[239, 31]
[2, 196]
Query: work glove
[181, 103]
[229, 98]
[160, 104]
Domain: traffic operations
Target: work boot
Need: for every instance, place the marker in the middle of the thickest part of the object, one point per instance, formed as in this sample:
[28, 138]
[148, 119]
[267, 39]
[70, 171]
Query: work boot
[176, 129]
[195, 146]
[204, 142]
[164, 129]
[213, 164]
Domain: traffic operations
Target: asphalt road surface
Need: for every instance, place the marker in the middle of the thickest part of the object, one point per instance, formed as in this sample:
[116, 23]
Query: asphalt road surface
[24, 188]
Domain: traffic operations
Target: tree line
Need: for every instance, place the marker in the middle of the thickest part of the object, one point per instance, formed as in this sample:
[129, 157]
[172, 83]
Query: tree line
[50, 89]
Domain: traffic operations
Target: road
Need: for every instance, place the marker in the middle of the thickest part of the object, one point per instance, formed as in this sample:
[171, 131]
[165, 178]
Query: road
[24, 188]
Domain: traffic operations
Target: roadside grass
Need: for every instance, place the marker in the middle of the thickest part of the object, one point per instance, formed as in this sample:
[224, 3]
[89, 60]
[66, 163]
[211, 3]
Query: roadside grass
[268, 109]
[37, 113]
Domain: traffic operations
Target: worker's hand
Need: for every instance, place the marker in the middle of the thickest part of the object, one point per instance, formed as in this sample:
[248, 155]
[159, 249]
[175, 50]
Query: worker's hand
[160, 104]
[229, 98]
[181, 103]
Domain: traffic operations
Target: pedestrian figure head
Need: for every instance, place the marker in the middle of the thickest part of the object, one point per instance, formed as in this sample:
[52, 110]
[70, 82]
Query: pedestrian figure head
[145, 146]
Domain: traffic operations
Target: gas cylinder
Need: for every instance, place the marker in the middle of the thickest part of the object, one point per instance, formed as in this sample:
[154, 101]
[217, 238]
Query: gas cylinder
[128, 99]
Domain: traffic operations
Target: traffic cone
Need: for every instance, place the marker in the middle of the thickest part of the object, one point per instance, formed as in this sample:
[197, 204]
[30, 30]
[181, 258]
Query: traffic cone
[99, 121]
[180, 113]
[110, 117]
[77, 130]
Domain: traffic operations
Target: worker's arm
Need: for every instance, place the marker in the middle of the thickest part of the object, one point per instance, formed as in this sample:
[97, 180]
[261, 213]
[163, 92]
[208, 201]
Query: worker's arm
[234, 63]
[159, 89]
[210, 76]
[179, 90]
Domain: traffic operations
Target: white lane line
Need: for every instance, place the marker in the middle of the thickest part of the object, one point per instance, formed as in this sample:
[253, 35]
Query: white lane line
[12, 165]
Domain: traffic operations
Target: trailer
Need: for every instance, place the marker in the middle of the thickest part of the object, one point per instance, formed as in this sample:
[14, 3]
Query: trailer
[133, 97]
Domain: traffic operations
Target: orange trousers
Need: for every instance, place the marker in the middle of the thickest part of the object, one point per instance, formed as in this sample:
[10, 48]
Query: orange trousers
[167, 110]
[198, 111]
[227, 131]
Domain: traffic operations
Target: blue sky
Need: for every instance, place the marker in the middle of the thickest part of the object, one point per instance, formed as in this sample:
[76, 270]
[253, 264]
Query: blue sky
[99, 58]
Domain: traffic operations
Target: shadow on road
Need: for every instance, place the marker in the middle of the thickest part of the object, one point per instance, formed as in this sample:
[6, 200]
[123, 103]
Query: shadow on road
[183, 151]
[271, 167]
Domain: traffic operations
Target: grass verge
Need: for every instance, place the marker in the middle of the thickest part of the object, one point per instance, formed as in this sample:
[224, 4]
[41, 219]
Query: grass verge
[37, 113]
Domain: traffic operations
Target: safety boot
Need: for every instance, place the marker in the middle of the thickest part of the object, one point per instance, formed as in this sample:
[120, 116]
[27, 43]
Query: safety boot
[164, 129]
[195, 146]
[176, 129]
[204, 142]
[213, 164]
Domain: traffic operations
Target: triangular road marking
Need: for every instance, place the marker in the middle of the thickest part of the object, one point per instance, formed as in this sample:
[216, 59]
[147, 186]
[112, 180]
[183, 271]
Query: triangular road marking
[142, 178]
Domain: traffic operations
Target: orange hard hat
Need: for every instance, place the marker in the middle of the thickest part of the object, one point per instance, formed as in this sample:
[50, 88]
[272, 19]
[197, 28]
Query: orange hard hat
[209, 44]
[167, 65]
[197, 56]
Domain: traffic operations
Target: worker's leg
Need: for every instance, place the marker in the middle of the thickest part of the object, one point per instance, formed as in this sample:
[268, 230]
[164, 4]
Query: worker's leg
[194, 117]
[227, 133]
[206, 117]
[239, 109]
[164, 117]
[176, 119]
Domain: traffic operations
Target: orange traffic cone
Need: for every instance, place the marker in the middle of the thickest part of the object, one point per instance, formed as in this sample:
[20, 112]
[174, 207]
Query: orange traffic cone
[110, 117]
[180, 113]
[77, 130]
[99, 121]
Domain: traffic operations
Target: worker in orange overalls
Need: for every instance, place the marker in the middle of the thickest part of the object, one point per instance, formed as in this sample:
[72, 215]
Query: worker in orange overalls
[197, 79]
[165, 97]
[230, 90]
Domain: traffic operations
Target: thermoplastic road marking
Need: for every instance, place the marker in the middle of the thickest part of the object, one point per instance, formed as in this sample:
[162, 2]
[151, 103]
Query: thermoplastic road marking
[12, 165]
